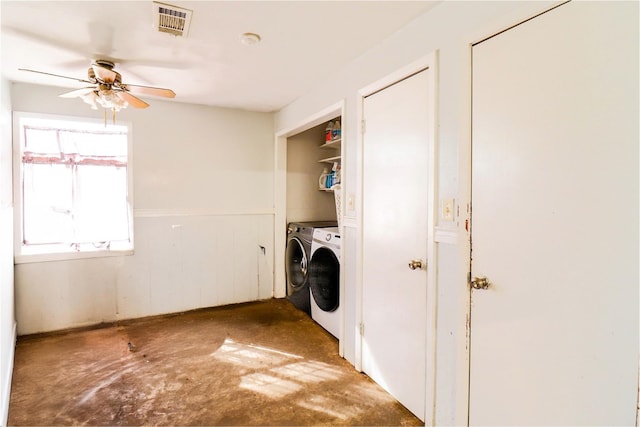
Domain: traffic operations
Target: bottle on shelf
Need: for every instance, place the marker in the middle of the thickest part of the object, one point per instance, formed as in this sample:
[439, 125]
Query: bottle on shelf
[328, 132]
[322, 181]
[334, 172]
[329, 181]
[336, 131]
[337, 175]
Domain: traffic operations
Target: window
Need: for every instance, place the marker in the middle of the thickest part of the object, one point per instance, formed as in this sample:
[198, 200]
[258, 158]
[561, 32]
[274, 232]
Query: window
[74, 186]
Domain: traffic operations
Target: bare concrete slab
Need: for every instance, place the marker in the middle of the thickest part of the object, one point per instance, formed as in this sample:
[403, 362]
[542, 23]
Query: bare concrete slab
[254, 364]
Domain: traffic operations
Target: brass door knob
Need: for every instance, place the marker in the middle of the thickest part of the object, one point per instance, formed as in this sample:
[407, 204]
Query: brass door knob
[416, 264]
[479, 283]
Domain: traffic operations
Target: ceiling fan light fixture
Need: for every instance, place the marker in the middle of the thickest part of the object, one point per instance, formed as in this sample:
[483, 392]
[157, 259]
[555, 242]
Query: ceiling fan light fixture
[250, 39]
[91, 99]
[110, 100]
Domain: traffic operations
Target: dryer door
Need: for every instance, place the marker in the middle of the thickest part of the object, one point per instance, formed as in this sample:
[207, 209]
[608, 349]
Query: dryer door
[324, 279]
[295, 265]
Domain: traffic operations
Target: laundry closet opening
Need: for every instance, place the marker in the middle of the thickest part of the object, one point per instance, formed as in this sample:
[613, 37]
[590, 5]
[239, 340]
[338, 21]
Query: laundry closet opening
[313, 204]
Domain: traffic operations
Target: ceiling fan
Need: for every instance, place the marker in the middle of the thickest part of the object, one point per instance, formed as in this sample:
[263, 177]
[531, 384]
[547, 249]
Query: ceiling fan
[107, 88]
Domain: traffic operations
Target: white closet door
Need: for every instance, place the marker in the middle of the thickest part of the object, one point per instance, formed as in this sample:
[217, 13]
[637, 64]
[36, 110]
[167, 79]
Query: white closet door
[554, 338]
[395, 213]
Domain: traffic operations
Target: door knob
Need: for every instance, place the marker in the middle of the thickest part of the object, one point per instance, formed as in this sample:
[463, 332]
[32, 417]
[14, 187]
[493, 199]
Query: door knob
[416, 264]
[479, 283]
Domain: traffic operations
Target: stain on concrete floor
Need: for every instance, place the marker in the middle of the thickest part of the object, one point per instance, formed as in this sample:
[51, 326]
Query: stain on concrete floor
[254, 364]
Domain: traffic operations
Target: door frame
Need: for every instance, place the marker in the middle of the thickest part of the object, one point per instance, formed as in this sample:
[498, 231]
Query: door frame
[429, 62]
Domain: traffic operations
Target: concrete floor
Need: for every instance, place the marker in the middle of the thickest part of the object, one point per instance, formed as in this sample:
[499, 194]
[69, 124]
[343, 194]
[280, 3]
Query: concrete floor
[263, 363]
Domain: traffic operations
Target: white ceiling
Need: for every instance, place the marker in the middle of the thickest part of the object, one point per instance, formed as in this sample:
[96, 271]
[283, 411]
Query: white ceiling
[303, 42]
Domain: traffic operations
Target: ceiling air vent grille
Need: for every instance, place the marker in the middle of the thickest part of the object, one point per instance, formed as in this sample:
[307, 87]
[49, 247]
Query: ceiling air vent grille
[171, 19]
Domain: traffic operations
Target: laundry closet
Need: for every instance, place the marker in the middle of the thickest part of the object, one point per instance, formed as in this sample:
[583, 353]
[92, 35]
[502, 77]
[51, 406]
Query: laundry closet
[313, 248]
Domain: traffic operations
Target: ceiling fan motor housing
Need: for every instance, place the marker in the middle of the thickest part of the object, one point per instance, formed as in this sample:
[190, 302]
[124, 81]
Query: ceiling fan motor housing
[104, 64]
[108, 65]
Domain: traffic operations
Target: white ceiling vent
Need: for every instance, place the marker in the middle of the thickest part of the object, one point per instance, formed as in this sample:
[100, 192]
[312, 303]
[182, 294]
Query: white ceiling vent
[171, 19]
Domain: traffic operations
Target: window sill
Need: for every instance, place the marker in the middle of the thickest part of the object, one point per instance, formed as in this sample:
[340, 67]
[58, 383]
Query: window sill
[68, 256]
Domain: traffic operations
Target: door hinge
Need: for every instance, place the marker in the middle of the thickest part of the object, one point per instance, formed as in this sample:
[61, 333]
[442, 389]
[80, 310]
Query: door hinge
[362, 329]
[363, 125]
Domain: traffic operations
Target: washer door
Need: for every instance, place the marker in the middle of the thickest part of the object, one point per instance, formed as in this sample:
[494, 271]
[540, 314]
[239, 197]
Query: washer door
[324, 279]
[295, 265]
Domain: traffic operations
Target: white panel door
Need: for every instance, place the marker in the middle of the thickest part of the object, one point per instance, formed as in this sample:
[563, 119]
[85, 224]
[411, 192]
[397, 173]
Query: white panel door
[395, 183]
[554, 338]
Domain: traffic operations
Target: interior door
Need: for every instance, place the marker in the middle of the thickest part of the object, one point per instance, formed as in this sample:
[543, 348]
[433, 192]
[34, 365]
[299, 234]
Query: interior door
[395, 182]
[554, 336]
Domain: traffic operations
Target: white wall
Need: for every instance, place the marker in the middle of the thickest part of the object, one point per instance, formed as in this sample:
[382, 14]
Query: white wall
[7, 317]
[449, 29]
[203, 206]
[304, 201]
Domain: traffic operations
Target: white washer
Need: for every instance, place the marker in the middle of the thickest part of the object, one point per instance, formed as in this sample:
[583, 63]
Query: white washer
[324, 278]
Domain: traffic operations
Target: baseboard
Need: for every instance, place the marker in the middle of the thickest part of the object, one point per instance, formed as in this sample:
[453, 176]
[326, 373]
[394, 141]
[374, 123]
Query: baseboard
[6, 387]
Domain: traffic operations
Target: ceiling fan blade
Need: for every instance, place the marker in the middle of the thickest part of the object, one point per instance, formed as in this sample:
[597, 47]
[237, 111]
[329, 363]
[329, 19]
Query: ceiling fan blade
[132, 100]
[77, 92]
[148, 90]
[56, 75]
[45, 39]
[104, 74]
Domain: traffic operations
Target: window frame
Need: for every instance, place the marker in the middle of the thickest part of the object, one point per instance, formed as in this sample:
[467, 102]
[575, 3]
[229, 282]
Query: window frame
[51, 253]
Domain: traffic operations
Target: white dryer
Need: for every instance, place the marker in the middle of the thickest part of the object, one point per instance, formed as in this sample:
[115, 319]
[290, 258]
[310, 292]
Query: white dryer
[324, 279]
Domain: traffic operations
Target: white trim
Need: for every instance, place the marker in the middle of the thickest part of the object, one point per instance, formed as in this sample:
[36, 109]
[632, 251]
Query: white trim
[432, 254]
[429, 62]
[137, 213]
[158, 213]
[400, 74]
[350, 222]
[321, 116]
[6, 387]
[68, 256]
[446, 235]
[280, 216]
[359, 236]
[130, 187]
